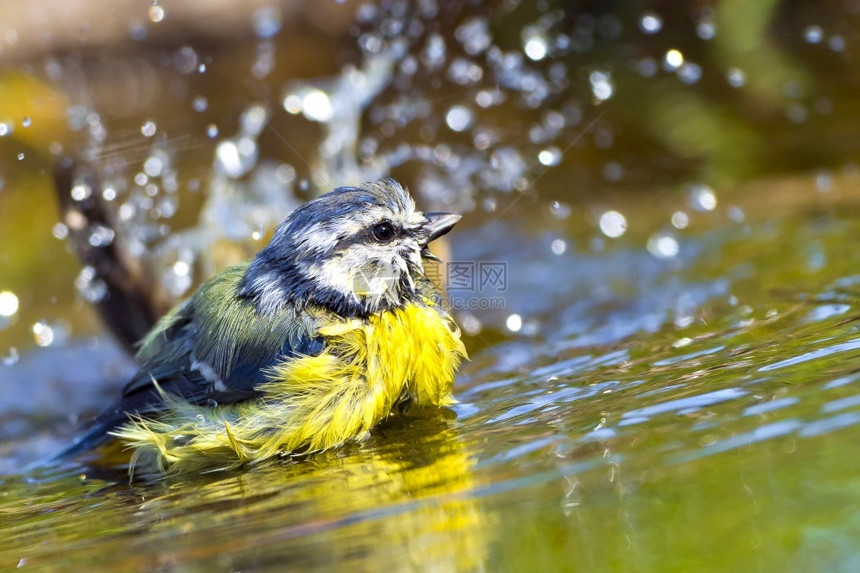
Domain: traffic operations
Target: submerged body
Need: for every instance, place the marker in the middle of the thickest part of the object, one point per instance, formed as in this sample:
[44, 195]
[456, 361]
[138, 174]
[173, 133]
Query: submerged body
[330, 329]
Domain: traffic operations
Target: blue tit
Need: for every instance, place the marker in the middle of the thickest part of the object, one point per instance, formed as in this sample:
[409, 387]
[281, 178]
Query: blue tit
[331, 328]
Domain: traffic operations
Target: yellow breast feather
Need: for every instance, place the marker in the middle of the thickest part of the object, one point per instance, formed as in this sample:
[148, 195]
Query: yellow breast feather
[314, 403]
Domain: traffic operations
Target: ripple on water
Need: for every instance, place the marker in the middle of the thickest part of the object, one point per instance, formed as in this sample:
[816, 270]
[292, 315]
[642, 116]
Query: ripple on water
[813, 355]
[640, 415]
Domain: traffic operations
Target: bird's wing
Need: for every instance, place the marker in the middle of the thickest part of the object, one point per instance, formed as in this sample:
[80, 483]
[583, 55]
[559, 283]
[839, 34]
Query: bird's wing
[217, 347]
[213, 347]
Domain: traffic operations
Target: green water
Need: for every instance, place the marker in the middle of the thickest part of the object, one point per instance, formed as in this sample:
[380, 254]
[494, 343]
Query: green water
[683, 397]
[726, 444]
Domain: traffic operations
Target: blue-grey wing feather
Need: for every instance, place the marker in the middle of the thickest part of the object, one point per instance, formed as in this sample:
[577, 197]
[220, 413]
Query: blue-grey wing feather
[213, 348]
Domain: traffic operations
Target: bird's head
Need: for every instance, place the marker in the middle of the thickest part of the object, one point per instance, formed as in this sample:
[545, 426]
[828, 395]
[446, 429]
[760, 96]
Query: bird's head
[355, 250]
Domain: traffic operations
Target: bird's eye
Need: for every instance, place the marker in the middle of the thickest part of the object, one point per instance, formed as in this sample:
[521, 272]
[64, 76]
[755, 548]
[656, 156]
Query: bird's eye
[383, 232]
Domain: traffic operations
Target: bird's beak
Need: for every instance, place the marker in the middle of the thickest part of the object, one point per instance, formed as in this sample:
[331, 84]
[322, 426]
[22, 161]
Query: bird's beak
[435, 225]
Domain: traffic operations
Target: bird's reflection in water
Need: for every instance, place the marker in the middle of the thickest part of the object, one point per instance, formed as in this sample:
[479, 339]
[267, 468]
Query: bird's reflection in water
[402, 500]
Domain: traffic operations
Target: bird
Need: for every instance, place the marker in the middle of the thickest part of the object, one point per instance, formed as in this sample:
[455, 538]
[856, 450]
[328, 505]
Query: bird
[333, 326]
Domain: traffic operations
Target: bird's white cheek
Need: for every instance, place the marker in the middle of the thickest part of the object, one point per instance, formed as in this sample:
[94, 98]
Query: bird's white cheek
[367, 275]
[333, 274]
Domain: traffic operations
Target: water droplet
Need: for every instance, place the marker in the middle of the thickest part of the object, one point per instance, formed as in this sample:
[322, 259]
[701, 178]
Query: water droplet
[181, 268]
[469, 323]
[559, 210]
[601, 85]
[706, 29]
[366, 13]
[650, 23]
[20, 157]
[167, 207]
[459, 118]
[293, 103]
[736, 77]
[100, 236]
[235, 157]
[11, 356]
[612, 224]
[185, 60]
[489, 97]
[126, 212]
[663, 246]
[690, 73]
[558, 246]
[680, 220]
[813, 34]
[433, 54]
[285, 173]
[507, 169]
[253, 120]
[464, 72]
[5, 129]
[156, 13]
[177, 284]
[90, 288]
[8, 303]
[316, 106]
[148, 129]
[534, 44]
[554, 120]
[27, 122]
[212, 131]
[141, 179]
[371, 43]
[60, 231]
[109, 193]
[267, 22]
[81, 191]
[43, 334]
[199, 104]
[702, 197]
[474, 35]
[673, 60]
[153, 166]
[550, 156]
[514, 322]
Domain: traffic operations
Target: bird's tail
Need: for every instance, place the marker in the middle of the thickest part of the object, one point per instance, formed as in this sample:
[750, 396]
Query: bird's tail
[94, 436]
